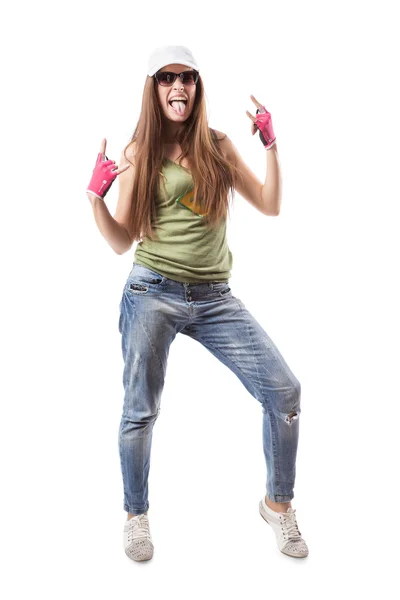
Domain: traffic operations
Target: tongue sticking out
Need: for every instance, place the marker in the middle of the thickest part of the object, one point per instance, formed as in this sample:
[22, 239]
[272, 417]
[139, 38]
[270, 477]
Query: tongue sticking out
[178, 107]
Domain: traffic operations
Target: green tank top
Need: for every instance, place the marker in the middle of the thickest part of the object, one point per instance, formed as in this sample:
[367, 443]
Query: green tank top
[184, 248]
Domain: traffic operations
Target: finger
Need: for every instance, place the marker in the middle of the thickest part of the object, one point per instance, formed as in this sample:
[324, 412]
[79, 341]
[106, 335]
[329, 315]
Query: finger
[250, 116]
[103, 147]
[256, 102]
[122, 169]
[118, 170]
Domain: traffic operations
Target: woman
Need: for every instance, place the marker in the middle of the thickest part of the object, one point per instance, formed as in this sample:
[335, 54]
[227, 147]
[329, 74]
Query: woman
[179, 282]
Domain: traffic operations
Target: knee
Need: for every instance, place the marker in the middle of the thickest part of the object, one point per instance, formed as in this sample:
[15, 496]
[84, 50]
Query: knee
[295, 403]
[292, 416]
[135, 423]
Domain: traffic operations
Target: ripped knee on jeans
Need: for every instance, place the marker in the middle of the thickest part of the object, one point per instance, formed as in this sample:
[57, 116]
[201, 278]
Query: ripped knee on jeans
[291, 416]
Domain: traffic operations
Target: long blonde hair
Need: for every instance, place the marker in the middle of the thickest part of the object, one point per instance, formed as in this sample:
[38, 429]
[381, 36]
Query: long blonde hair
[213, 176]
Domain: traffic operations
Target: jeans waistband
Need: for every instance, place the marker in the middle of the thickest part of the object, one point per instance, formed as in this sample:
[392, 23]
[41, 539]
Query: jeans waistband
[138, 269]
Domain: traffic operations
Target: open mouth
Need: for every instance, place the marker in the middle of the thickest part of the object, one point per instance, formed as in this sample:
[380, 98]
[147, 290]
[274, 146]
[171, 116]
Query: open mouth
[171, 102]
[175, 102]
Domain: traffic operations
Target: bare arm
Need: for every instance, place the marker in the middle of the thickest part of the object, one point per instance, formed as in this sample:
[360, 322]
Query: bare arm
[271, 192]
[115, 229]
[264, 197]
[114, 233]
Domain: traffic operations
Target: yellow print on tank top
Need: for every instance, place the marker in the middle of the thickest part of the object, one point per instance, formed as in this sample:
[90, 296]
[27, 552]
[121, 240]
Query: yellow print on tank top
[187, 200]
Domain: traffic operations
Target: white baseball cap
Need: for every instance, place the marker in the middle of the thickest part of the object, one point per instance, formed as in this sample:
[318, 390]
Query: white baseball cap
[168, 55]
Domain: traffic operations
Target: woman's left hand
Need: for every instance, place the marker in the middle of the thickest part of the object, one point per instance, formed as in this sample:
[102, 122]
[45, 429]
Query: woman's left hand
[262, 122]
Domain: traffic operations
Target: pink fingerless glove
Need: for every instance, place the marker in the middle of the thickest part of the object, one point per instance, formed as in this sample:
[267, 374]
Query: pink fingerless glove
[266, 131]
[103, 176]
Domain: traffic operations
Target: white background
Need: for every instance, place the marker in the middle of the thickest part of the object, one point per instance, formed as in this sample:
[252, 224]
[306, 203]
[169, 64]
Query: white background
[321, 279]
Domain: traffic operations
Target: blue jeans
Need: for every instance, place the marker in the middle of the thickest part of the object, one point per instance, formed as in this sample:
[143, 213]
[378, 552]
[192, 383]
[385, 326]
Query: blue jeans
[153, 310]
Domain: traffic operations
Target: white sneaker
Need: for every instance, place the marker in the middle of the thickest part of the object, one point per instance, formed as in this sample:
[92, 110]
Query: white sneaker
[137, 539]
[286, 530]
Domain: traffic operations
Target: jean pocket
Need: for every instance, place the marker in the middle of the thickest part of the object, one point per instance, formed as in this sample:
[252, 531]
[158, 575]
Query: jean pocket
[137, 287]
[225, 291]
[222, 288]
[141, 284]
[146, 279]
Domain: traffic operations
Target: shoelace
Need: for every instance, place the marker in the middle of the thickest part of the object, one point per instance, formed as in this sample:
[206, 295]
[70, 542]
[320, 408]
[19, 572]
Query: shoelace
[289, 521]
[138, 525]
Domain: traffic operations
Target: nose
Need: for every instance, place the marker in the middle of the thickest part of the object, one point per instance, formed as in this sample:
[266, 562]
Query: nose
[178, 85]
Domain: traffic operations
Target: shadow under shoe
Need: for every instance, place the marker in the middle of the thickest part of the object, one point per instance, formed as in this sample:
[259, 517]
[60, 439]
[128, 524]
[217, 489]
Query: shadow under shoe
[137, 539]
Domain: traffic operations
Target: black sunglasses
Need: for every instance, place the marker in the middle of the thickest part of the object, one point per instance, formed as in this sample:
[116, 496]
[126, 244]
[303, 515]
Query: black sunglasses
[168, 77]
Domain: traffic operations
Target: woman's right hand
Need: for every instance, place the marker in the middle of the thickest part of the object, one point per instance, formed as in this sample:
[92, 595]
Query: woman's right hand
[104, 173]
[263, 123]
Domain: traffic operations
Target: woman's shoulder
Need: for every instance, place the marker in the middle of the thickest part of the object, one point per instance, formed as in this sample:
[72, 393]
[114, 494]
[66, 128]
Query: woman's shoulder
[218, 135]
[224, 143]
[131, 148]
